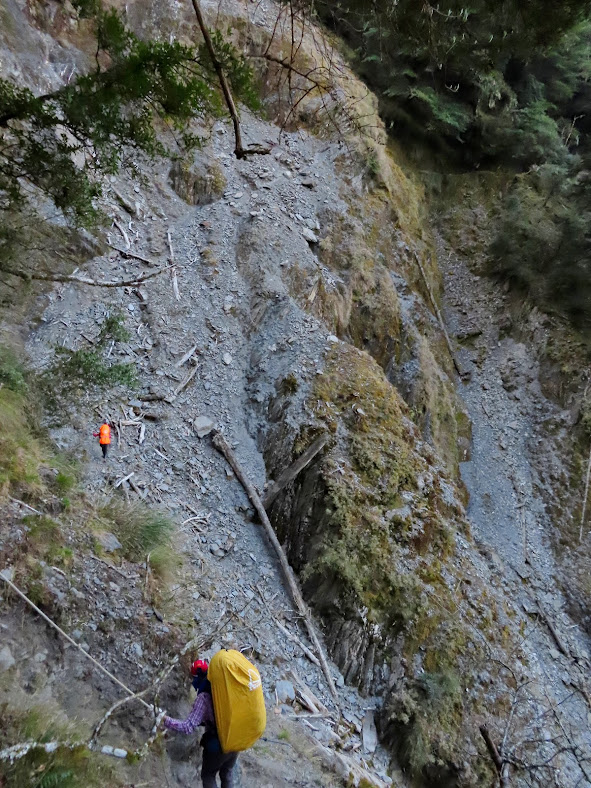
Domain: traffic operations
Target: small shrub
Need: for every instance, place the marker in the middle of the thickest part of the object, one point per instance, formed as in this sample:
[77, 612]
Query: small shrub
[64, 482]
[12, 374]
[289, 384]
[114, 329]
[45, 541]
[21, 451]
[87, 367]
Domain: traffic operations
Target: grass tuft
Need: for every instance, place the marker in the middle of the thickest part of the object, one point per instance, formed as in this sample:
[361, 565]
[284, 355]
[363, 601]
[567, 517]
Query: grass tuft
[64, 768]
[140, 530]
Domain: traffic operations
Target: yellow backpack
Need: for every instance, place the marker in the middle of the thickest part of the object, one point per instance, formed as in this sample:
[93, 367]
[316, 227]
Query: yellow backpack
[238, 702]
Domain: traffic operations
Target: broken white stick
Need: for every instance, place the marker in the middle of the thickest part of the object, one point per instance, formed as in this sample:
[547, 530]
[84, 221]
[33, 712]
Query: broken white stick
[186, 357]
[123, 232]
[175, 284]
[124, 479]
[311, 656]
[134, 255]
[182, 385]
[142, 435]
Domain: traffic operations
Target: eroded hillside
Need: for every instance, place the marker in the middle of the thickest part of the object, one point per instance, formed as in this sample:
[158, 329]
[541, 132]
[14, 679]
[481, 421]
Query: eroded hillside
[293, 307]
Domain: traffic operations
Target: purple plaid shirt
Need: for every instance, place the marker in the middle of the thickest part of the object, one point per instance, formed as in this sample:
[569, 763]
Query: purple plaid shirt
[201, 714]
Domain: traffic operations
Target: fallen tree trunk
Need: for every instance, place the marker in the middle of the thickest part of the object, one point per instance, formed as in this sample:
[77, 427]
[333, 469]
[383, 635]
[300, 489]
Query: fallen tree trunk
[224, 448]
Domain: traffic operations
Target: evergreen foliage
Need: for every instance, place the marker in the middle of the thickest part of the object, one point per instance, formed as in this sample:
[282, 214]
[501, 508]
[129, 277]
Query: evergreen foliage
[61, 142]
[479, 80]
[497, 84]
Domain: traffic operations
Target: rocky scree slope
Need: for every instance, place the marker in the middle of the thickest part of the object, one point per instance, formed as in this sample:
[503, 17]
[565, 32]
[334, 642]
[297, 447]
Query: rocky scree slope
[297, 284]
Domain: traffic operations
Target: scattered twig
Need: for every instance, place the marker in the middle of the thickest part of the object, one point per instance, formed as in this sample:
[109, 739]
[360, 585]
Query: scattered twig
[26, 505]
[555, 636]
[523, 517]
[311, 656]
[175, 282]
[314, 704]
[183, 359]
[133, 255]
[182, 385]
[135, 488]
[151, 397]
[106, 563]
[147, 578]
[123, 232]
[83, 280]
[127, 204]
[100, 724]
[222, 446]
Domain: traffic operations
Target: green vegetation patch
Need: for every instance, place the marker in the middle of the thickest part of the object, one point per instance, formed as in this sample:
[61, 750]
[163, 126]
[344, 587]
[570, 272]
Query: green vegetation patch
[66, 767]
[81, 368]
[385, 550]
[369, 552]
[21, 450]
[75, 370]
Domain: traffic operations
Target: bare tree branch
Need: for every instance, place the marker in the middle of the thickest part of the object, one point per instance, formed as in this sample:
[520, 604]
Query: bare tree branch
[83, 280]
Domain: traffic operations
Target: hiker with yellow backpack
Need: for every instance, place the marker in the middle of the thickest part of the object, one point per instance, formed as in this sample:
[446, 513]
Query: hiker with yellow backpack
[231, 707]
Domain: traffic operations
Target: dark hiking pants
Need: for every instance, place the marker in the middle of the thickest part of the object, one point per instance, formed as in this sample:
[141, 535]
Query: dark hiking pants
[104, 447]
[214, 762]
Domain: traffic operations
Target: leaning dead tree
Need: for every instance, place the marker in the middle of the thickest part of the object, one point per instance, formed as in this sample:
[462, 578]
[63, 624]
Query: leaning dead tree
[309, 79]
[239, 150]
[305, 74]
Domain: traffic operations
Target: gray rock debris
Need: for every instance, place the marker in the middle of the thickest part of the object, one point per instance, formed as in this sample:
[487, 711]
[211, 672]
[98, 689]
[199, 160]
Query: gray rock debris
[108, 541]
[369, 733]
[285, 691]
[202, 426]
[7, 661]
[310, 236]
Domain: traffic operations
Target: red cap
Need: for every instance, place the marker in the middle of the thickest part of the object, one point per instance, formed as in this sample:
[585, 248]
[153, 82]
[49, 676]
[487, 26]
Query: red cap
[199, 666]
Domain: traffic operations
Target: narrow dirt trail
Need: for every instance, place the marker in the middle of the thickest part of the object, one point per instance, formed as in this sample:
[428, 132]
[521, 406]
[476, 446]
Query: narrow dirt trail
[506, 507]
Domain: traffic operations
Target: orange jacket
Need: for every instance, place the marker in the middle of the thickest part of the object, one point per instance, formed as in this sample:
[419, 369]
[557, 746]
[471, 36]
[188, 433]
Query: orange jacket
[104, 435]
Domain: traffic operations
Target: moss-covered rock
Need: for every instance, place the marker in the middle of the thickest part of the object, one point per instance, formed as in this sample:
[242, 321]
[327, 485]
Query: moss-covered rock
[375, 528]
[199, 182]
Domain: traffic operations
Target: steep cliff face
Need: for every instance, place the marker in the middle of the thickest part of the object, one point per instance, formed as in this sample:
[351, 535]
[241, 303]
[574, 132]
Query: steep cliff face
[296, 283]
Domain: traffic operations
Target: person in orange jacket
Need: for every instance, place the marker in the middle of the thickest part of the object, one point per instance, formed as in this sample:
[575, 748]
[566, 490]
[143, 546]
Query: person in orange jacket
[104, 436]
